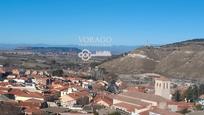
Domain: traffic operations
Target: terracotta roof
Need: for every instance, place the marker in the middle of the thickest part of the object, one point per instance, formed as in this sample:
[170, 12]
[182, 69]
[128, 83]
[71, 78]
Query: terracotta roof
[23, 78]
[4, 88]
[135, 89]
[25, 93]
[73, 78]
[130, 100]
[159, 111]
[60, 88]
[33, 110]
[34, 101]
[29, 104]
[144, 96]
[104, 98]
[3, 92]
[181, 104]
[128, 107]
[77, 95]
[4, 83]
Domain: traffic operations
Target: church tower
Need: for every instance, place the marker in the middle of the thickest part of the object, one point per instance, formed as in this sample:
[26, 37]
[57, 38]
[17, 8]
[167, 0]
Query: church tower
[162, 87]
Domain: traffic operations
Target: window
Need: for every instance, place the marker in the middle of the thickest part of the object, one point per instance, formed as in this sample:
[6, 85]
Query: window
[163, 85]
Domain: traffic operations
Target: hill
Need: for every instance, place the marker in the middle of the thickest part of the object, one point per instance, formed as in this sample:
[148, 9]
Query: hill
[180, 60]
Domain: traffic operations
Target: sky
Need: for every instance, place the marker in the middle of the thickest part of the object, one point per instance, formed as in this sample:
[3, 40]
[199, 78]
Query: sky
[127, 22]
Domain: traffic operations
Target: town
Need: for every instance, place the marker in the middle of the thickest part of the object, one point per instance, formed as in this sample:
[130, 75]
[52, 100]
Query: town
[34, 92]
[101, 57]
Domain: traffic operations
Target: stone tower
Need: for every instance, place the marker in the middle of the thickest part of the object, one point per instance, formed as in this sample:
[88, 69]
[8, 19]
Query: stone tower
[162, 87]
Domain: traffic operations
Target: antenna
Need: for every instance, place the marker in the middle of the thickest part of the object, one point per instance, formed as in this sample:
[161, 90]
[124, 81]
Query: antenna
[147, 43]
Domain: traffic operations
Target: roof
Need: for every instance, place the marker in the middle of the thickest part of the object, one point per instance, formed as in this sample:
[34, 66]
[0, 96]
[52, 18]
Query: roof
[73, 78]
[159, 111]
[34, 101]
[4, 83]
[33, 110]
[128, 107]
[25, 93]
[60, 87]
[181, 104]
[27, 104]
[104, 98]
[196, 113]
[130, 100]
[56, 110]
[162, 78]
[144, 96]
[77, 95]
[133, 89]
[3, 92]
[71, 113]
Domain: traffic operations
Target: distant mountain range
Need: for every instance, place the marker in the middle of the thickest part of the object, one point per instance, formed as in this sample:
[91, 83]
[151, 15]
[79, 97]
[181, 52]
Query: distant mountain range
[115, 50]
[180, 60]
[49, 49]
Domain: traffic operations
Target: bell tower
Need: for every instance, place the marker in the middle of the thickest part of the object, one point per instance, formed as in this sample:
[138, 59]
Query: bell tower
[162, 87]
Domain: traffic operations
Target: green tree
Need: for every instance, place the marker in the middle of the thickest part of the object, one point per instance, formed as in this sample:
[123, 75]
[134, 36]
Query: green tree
[188, 94]
[184, 111]
[199, 107]
[114, 113]
[195, 91]
[177, 96]
[192, 93]
[57, 72]
[201, 89]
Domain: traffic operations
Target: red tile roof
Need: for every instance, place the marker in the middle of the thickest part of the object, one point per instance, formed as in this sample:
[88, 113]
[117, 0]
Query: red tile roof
[33, 110]
[4, 83]
[159, 111]
[136, 89]
[77, 95]
[181, 104]
[144, 96]
[104, 98]
[73, 78]
[3, 90]
[128, 107]
[34, 101]
[29, 104]
[130, 100]
[25, 93]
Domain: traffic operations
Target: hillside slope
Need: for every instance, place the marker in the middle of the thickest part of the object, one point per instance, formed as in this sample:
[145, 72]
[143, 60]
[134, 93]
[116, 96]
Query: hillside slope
[181, 60]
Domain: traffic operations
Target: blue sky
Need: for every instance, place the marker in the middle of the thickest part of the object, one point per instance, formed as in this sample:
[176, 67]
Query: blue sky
[128, 22]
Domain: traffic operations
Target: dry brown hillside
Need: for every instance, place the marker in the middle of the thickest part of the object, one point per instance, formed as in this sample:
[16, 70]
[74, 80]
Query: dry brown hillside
[182, 59]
